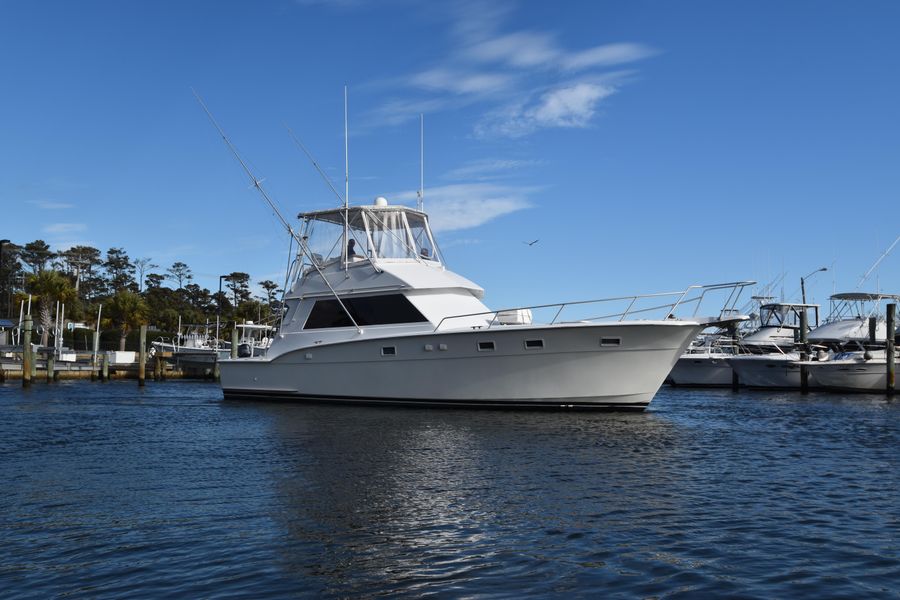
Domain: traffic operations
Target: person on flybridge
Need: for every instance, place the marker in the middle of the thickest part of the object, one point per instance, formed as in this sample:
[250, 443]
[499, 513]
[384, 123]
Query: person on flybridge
[351, 248]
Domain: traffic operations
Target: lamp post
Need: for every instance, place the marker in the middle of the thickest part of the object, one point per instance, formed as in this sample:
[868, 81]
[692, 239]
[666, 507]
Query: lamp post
[803, 282]
[2, 278]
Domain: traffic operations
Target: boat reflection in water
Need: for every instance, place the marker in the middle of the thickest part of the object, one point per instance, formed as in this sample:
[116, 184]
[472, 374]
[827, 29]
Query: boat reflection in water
[374, 316]
[392, 498]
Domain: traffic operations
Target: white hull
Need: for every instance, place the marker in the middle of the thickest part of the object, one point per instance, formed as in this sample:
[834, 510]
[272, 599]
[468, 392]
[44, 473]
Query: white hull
[850, 375]
[767, 370]
[572, 369]
[702, 370]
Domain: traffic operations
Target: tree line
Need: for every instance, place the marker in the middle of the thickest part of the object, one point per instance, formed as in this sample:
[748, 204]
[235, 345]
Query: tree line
[132, 292]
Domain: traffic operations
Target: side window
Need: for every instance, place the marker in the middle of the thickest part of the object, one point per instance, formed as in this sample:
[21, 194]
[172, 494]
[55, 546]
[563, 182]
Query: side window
[371, 310]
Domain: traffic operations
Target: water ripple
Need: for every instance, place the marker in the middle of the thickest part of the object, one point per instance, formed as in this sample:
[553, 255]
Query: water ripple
[112, 491]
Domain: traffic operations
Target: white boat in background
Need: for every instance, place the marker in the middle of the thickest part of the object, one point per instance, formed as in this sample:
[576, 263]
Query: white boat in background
[374, 316]
[192, 344]
[704, 363]
[852, 371]
[766, 357]
[850, 353]
[254, 339]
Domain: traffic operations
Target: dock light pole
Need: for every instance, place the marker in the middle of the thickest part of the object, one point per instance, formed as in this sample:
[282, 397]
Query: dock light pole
[2, 279]
[803, 282]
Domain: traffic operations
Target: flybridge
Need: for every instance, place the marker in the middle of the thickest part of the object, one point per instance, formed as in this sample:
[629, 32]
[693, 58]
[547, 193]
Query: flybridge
[368, 234]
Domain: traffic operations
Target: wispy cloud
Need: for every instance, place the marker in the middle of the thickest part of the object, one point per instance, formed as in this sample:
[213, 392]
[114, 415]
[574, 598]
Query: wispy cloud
[467, 205]
[50, 205]
[58, 228]
[563, 107]
[490, 168]
[514, 74]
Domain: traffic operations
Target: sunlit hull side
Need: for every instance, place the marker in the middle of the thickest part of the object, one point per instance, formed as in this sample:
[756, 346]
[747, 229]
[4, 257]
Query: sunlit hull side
[777, 371]
[572, 369]
[701, 370]
[850, 375]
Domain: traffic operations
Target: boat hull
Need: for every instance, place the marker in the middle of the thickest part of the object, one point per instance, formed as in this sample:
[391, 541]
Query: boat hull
[571, 369]
[701, 371]
[850, 375]
[773, 371]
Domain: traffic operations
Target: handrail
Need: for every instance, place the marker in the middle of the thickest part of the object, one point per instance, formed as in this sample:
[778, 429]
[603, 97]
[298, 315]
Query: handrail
[730, 303]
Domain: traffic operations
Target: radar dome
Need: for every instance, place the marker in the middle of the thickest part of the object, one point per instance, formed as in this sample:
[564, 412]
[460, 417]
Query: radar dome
[381, 201]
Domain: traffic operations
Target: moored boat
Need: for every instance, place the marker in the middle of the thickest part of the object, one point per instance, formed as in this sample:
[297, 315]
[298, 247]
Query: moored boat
[373, 316]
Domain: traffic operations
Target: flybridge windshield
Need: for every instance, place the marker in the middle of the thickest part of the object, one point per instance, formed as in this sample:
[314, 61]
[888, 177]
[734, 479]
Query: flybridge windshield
[373, 233]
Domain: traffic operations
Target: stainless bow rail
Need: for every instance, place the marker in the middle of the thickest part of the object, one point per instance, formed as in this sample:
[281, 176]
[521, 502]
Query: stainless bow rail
[728, 308]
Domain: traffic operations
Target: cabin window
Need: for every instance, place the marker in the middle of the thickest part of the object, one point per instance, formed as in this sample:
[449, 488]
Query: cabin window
[534, 344]
[610, 341]
[485, 346]
[372, 310]
[389, 350]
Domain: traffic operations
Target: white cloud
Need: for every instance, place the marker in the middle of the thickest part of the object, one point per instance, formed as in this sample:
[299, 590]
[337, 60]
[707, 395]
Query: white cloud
[57, 228]
[468, 205]
[461, 82]
[490, 168]
[606, 56]
[509, 73]
[50, 205]
[519, 49]
[566, 107]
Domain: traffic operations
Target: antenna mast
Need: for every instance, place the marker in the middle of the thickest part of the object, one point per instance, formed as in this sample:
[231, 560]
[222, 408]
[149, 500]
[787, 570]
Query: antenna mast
[256, 182]
[421, 193]
[346, 184]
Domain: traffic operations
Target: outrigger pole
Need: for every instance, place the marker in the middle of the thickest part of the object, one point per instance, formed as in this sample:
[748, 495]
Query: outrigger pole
[258, 185]
[256, 182]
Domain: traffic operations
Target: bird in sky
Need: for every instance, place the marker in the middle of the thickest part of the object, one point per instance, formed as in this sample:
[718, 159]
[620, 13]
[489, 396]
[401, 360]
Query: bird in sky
[531, 243]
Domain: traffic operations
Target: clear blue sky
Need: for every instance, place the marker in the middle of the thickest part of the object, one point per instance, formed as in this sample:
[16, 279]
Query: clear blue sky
[648, 145]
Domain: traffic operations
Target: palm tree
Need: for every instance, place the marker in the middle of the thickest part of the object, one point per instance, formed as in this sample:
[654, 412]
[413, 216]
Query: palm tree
[50, 287]
[128, 310]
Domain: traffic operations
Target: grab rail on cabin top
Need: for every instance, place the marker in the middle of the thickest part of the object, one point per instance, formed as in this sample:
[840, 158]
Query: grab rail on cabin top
[729, 306]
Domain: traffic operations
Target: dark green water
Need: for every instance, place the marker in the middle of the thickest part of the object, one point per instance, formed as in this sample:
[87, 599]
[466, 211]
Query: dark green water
[109, 491]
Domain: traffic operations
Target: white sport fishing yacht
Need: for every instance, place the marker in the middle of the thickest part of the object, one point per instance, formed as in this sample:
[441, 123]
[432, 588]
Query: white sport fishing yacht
[373, 316]
[766, 358]
[847, 357]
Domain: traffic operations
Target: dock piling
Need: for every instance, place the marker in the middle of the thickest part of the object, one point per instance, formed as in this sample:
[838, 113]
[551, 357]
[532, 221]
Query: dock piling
[51, 367]
[873, 330]
[27, 353]
[804, 352]
[104, 369]
[142, 358]
[234, 343]
[889, 349]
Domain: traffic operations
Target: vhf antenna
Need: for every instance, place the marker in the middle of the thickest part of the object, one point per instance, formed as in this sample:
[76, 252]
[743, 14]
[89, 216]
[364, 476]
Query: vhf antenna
[421, 193]
[256, 182]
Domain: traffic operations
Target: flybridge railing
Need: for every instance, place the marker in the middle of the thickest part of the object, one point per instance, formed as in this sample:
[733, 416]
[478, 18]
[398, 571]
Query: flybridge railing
[667, 309]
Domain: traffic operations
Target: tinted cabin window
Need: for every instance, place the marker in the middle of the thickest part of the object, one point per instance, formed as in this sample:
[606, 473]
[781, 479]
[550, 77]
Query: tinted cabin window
[373, 310]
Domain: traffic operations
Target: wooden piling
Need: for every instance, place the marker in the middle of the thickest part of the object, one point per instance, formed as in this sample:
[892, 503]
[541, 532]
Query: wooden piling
[735, 381]
[142, 358]
[873, 329]
[104, 370]
[234, 343]
[51, 367]
[889, 349]
[157, 367]
[96, 347]
[27, 354]
[804, 352]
